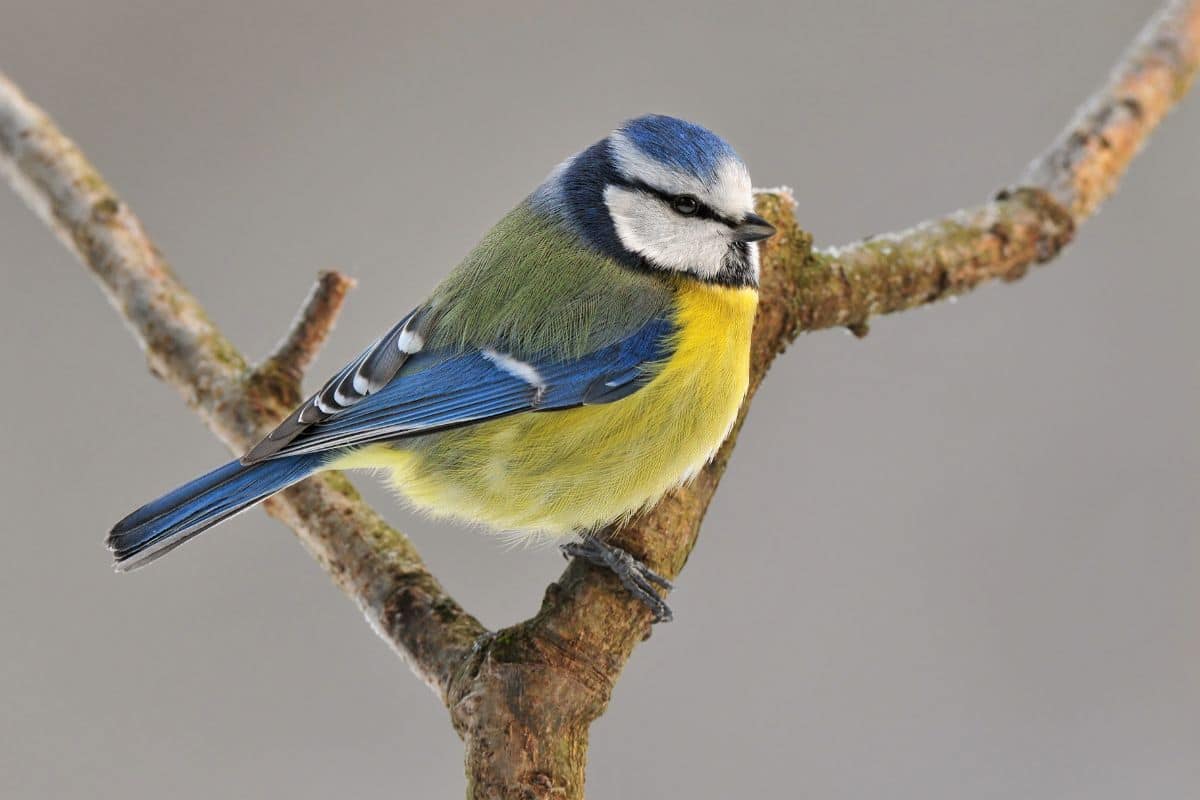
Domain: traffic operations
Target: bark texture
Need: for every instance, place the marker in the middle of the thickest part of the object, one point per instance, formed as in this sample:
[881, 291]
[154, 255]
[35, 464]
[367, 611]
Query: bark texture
[523, 698]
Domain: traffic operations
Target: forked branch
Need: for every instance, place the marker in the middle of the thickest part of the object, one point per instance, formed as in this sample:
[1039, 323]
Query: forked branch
[524, 697]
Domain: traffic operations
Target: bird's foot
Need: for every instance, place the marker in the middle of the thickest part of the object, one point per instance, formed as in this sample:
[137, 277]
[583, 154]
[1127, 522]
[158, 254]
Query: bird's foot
[637, 578]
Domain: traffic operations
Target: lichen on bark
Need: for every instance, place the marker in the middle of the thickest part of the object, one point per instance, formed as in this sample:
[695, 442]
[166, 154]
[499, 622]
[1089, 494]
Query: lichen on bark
[523, 698]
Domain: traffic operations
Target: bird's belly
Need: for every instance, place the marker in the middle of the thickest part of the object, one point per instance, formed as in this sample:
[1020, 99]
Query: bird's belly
[561, 471]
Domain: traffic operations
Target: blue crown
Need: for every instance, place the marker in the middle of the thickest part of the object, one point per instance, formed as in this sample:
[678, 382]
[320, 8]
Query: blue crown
[679, 144]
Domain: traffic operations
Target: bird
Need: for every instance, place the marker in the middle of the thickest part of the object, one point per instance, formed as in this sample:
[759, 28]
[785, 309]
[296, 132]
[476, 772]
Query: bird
[587, 356]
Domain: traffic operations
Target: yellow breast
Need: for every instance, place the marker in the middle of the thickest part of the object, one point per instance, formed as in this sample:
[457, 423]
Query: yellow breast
[563, 471]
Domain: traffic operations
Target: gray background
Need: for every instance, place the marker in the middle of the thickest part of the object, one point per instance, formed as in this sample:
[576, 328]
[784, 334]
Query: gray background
[955, 560]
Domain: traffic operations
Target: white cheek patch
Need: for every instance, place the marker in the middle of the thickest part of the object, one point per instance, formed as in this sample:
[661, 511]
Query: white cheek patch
[649, 228]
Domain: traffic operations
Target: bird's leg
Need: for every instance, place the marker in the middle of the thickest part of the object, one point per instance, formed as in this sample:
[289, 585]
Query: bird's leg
[637, 578]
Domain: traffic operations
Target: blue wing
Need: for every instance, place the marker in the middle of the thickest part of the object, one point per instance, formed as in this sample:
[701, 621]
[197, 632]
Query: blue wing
[434, 391]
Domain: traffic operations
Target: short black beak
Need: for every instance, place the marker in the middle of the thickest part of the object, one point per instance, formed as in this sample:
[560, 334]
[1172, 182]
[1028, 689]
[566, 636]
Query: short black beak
[753, 229]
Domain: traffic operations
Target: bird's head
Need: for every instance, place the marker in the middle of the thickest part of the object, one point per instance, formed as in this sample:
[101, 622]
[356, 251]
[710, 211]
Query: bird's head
[664, 194]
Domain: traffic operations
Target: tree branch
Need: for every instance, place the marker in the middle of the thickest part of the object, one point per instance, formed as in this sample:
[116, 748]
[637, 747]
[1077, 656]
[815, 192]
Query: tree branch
[523, 699]
[1026, 225]
[313, 323]
[1081, 169]
[571, 654]
[373, 563]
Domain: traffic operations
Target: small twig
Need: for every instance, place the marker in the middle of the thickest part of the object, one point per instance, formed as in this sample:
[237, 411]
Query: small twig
[314, 321]
[1083, 165]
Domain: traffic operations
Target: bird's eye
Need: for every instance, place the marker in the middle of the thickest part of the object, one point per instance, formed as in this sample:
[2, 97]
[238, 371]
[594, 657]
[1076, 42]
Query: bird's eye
[685, 204]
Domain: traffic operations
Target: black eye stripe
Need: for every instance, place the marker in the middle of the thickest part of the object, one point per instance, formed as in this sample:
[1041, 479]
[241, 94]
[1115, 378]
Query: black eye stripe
[703, 212]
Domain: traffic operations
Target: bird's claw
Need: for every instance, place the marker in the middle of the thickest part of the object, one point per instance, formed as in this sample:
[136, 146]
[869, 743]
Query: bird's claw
[637, 578]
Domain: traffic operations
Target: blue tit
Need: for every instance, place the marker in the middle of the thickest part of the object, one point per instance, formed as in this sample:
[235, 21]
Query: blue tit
[590, 354]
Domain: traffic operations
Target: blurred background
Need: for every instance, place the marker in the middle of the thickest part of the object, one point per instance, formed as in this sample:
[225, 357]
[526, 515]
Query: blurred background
[958, 558]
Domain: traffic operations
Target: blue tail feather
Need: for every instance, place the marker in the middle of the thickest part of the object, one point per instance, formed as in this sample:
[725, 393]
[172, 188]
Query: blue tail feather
[163, 524]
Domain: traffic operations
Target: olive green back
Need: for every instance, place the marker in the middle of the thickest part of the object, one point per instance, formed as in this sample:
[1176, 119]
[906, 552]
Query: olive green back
[531, 287]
